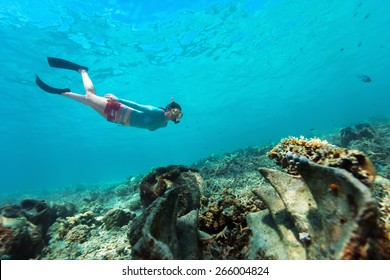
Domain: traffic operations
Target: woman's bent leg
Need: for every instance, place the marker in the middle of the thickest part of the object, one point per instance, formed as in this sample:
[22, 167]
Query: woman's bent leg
[96, 102]
[90, 98]
[88, 85]
[75, 96]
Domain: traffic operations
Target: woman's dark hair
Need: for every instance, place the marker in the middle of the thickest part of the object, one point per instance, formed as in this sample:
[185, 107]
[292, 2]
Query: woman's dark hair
[173, 105]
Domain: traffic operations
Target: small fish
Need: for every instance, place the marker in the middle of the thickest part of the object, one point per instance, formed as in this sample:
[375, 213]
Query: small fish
[365, 78]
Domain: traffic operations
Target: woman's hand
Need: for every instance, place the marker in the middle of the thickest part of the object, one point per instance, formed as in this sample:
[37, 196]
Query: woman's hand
[110, 96]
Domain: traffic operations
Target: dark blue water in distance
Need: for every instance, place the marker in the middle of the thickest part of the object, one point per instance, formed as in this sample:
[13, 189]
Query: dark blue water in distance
[245, 73]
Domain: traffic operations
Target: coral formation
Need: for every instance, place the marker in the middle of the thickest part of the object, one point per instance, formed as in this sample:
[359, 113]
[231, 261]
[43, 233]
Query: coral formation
[63, 227]
[7, 242]
[363, 236]
[234, 171]
[20, 239]
[171, 198]
[37, 212]
[381, 191]
[223, 220]
[62, 210]
[375, 144]
[153, 234]
[309, 220]
[84, 237]
[117, 217]
[359, 132]
[227, 199]
[288, 151]
[78, 234]
[226, 211]
[161, 179]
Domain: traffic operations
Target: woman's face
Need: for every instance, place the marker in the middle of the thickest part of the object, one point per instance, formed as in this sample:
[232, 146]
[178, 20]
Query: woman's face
[176, 115]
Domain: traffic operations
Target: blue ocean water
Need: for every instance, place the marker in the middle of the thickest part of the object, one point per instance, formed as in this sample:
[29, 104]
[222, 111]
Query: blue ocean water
[245, 73]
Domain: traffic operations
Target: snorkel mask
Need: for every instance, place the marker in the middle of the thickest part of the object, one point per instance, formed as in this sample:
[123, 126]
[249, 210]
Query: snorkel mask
[175, 109]
[177, 114]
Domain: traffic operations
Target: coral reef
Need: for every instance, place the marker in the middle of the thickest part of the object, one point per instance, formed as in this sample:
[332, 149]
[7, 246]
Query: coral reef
[288, 151]
[221, 208]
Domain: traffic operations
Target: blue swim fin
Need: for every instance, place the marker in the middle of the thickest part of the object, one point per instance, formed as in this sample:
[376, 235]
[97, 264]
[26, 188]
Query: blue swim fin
[48, 88]
[65, 64]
